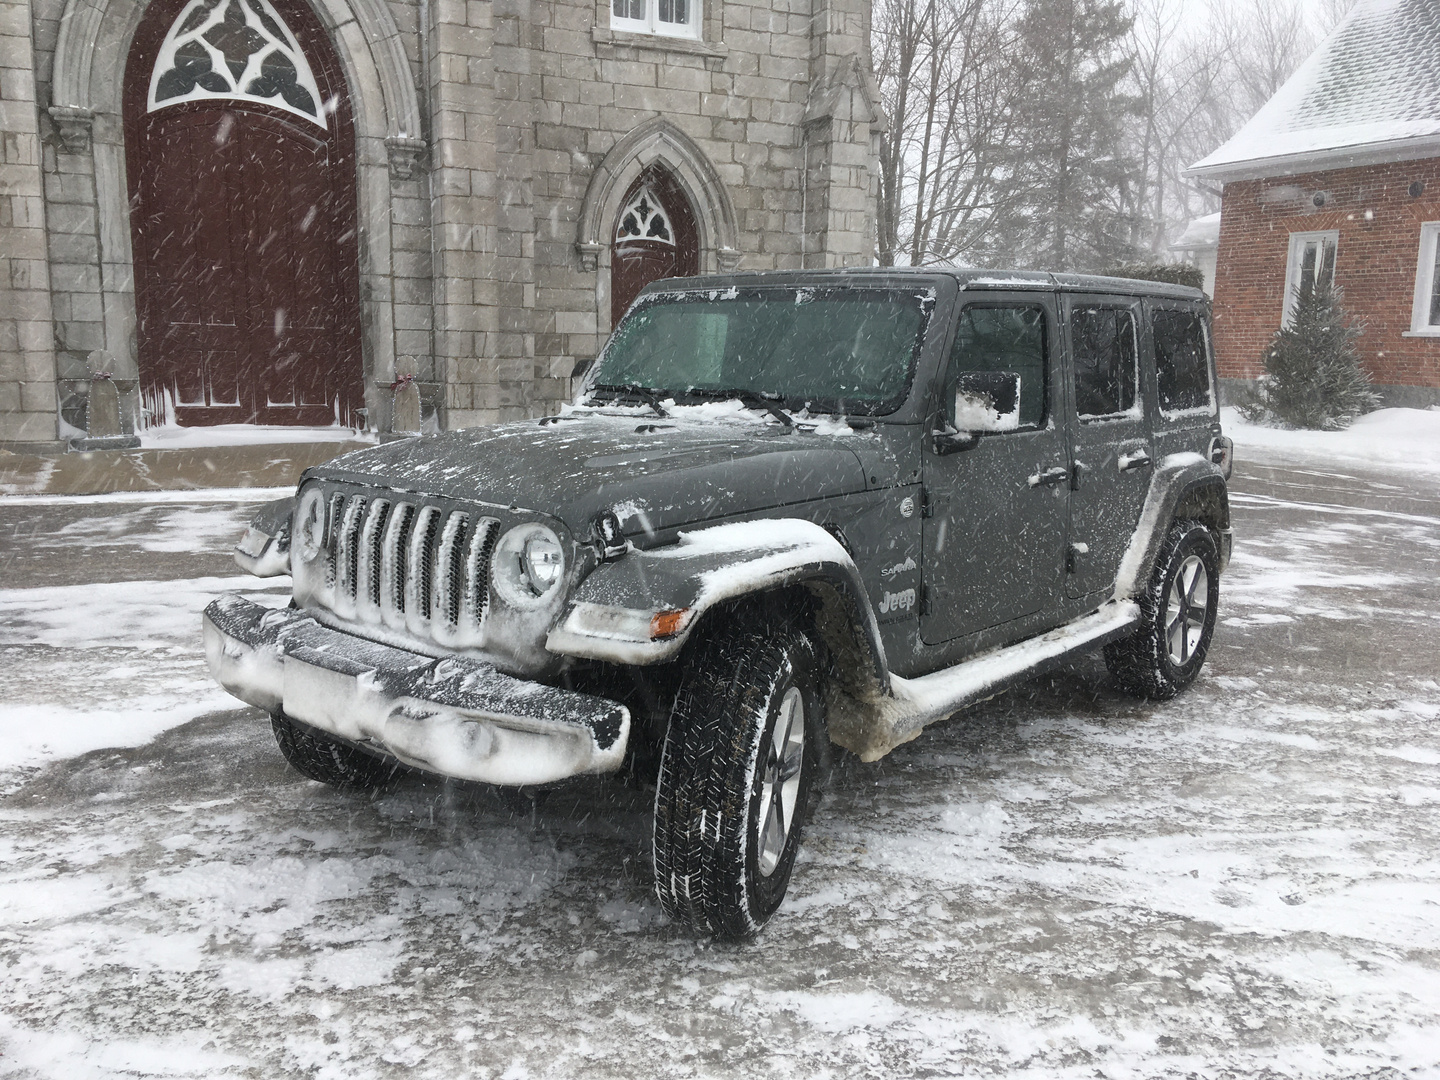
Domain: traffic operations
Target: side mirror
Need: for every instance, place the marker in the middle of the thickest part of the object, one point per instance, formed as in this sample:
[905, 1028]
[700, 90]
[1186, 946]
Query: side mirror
[985, 402]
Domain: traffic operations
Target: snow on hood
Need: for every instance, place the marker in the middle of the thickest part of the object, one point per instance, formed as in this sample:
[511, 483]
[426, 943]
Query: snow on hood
[656, 473]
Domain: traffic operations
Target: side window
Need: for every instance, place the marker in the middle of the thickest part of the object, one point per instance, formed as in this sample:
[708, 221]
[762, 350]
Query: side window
[1311, 263]
[1425, 316]
[1182, 366]
[1102, 341]
[671, 18]
[1003, 338]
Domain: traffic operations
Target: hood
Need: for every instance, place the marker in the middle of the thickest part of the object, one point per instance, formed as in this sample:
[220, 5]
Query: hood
[655, 473]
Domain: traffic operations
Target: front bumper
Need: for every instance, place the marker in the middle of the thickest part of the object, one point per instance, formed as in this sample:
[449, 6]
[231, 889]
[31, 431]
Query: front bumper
[454, 716]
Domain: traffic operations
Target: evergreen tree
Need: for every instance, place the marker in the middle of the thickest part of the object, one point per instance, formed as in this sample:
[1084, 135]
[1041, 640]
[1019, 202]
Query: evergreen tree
[1068, 171]
[1313, 377]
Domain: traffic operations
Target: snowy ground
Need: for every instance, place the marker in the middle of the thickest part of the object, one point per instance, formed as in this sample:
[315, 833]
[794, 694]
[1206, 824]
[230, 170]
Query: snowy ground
[1396, 440]
[1061, 883]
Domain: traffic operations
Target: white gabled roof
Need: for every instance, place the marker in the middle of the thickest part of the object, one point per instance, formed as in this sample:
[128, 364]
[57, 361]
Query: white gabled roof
[1201, 233]
[1369, 93]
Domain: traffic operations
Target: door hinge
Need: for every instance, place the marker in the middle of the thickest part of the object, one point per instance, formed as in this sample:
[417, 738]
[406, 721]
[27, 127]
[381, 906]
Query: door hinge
[924, 599]
[926, 509]
[1072, 556]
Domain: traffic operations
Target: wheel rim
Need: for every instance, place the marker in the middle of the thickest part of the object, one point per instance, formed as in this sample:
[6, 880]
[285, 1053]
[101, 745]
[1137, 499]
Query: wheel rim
[1186, 609]
[780, 781]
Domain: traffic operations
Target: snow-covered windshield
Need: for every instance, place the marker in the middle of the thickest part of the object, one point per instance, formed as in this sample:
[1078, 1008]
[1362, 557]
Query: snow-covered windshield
[840, 350]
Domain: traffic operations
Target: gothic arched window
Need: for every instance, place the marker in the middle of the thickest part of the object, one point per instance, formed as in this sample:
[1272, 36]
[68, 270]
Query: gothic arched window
[643, 218]
[234, 49]
[655, 237]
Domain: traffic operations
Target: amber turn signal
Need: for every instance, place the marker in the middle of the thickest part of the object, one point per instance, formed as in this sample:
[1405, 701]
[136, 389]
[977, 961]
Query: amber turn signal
[665, 624]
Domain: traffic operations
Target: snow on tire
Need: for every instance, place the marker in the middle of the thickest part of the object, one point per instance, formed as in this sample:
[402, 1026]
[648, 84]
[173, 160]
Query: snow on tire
[329, 760]
[1177, 617]
[739, 763]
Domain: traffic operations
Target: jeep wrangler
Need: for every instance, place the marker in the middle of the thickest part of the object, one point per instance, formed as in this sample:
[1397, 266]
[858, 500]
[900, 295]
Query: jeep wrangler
[785, 510]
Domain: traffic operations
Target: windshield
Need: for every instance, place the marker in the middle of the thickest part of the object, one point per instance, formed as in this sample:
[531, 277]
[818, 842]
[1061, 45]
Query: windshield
[839, 350]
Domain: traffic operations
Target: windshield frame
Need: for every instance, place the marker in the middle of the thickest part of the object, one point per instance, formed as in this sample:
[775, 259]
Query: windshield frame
[922, 291]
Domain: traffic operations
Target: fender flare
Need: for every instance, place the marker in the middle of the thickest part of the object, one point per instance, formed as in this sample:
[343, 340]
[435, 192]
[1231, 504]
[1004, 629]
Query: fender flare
[1179, 480]
[615, 613]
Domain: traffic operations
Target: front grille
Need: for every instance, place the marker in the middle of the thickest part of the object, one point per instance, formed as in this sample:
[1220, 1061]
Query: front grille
[417, 568]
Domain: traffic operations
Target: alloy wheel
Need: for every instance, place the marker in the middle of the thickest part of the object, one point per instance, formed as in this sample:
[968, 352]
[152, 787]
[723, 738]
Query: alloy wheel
[1185, 610]
[780, 781]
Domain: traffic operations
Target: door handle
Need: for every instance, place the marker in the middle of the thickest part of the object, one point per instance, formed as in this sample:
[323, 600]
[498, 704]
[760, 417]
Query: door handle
[1056, 474]
[1136, 459]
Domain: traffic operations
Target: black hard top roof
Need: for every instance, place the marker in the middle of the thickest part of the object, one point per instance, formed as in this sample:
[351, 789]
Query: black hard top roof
[966, 279]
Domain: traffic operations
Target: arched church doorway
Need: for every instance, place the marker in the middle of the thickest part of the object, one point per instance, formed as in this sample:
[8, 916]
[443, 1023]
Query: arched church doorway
[240, 151]
[655, 237]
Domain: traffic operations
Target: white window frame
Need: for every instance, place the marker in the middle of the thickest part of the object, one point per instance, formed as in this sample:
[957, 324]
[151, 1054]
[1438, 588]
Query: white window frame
[1298, 242]
[1420, 325]
[651, 24]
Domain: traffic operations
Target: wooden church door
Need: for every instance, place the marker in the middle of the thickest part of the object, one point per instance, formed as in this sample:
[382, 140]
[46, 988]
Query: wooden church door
[655, 237]
[241, 157]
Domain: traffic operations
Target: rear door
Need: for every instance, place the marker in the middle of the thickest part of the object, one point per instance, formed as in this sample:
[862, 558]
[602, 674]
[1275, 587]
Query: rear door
[1185, 393]
[994, 534]
[1110, 452]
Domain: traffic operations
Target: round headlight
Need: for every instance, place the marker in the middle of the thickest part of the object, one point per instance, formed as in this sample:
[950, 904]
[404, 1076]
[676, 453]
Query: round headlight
[528, 564]
[309, 534]
[543, 561]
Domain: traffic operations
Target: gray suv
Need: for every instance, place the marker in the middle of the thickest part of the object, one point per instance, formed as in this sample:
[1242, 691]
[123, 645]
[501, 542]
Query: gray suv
[786, 510]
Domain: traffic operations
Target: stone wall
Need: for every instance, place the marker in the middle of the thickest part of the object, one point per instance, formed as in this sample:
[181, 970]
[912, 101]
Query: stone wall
[27, 358]
[494, 140]
[767, 121]
[1378, 221]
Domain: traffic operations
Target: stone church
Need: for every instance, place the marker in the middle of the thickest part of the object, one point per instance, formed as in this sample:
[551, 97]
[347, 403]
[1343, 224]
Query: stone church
[248, 209]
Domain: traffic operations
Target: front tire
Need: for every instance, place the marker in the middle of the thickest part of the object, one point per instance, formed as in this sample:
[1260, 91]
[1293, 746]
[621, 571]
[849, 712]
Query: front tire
[323, 757]
[740, 761]
[1177, 617]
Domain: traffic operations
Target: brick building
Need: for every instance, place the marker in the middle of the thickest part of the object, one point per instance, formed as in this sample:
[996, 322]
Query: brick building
[1338, 176]
[255, 206]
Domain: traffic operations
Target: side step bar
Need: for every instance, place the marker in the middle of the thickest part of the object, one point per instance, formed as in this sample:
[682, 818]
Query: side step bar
[914, 703]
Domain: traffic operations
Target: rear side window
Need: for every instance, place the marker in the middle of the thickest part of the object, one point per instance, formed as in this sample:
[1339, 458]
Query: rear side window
[1106, 374]
[1009, 338]
[1182, 367]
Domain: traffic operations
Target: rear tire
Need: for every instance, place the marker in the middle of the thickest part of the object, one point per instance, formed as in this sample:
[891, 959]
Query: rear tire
[741, 759]
[323, 757]
[1177, 617]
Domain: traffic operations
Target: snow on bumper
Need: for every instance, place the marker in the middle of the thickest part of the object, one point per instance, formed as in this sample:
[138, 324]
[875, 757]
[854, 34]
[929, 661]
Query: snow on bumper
[454, 716]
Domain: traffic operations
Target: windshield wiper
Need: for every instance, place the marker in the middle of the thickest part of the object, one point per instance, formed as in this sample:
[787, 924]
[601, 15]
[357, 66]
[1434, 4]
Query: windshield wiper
[648, 394]
[755, 398]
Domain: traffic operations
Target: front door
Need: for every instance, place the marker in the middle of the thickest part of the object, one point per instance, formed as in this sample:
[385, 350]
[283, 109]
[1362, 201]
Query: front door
[1110, 437]
[241, 163]
[995, 526]
[655, 237]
